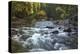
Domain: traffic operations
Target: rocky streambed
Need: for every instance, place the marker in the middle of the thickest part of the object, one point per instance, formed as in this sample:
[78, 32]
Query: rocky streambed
[45, 36]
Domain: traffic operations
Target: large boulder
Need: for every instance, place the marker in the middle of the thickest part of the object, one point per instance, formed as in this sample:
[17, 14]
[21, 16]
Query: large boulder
[44, 24]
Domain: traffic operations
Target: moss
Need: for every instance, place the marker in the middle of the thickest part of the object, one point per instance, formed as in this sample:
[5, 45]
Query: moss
[17, 47]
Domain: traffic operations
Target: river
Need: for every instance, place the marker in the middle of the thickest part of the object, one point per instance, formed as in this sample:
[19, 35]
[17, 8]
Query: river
[45, 36]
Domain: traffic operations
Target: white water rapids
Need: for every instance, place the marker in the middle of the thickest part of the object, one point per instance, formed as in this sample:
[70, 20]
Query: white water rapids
[43, 39]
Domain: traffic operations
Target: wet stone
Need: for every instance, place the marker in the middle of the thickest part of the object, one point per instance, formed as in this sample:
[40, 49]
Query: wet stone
[24, 37]
[55, 32]
[68, 30]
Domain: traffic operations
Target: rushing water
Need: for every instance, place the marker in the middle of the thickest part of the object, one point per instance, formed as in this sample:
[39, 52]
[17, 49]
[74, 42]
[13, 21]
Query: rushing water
[44, 37]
